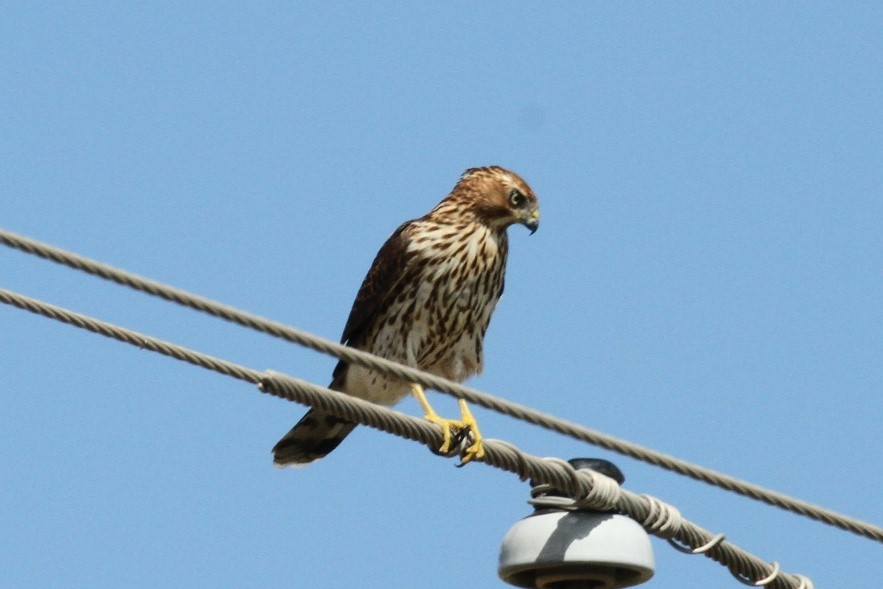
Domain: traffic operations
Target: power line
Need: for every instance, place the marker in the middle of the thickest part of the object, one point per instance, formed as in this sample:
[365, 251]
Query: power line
[589, 489]
[407, 373]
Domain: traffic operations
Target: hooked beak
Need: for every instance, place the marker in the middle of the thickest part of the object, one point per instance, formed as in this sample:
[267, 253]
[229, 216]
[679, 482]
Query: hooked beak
[532, 220]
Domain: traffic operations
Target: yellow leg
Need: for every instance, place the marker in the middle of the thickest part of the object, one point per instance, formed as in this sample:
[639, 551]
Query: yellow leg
[430, 414]
[466, 422]
[476, 449]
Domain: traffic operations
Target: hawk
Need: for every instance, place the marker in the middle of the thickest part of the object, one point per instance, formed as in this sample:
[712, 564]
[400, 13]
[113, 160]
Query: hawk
[426, 302]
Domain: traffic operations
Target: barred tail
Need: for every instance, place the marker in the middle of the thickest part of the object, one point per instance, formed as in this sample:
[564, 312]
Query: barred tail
[314, 436]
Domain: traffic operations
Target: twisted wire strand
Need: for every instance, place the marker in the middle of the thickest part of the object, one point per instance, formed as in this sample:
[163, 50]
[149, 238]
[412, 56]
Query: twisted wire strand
[657, 517]
[515, 410]
[145, 342]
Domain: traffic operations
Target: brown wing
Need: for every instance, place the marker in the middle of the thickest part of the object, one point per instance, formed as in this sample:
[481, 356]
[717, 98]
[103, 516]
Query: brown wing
[379, 285]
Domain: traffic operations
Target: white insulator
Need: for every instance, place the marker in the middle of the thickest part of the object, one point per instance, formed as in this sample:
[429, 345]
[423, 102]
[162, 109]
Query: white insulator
[555, 549]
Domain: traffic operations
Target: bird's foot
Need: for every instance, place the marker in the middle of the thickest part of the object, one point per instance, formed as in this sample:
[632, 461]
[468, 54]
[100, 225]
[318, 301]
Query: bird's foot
[453, 430]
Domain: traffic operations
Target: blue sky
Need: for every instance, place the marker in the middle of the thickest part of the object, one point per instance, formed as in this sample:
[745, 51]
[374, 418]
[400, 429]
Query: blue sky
[706, 281]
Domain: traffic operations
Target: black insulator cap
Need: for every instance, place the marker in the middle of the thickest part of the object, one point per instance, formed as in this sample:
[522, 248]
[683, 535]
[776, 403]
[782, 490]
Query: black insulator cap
[605, 467]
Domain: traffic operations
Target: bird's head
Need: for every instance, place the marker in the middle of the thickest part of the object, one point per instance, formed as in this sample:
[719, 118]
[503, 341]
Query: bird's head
[500, 197]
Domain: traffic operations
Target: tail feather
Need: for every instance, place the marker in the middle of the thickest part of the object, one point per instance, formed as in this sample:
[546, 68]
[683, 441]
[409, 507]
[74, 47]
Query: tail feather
[314, 436]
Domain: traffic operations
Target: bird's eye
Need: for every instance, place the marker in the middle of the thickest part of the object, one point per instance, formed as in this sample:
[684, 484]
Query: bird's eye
[516, 199]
